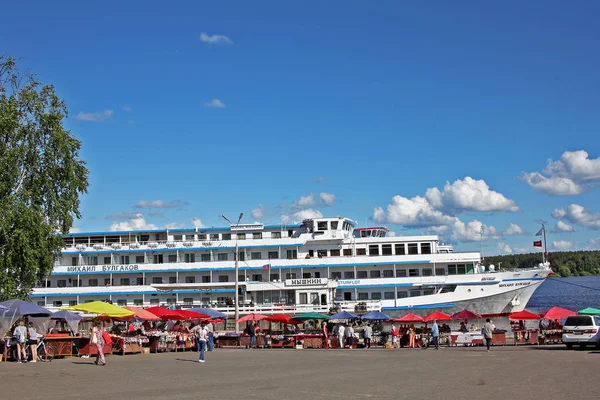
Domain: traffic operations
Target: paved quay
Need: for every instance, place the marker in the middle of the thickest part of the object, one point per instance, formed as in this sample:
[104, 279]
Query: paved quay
[548, 372]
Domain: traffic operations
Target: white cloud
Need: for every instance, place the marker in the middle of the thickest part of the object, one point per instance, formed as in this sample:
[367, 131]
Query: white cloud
[473, 231]
[95, 117]
[215, 103]
[327, 198]
[559, 213]
[136, 223]
[214, 39]
[573, 174]
[175, 225]
[126, 108]
[74, 229]
[579, 215]
[305, 201]
[514, 229]
[561, 244]
[197, 222]
[160, 204]
[469, 195]
[563, 227]
[304, 214]
[555, 185]
[504, 248]
[415, 212]
[258, 212]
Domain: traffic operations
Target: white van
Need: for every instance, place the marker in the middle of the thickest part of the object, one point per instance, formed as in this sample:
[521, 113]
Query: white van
[581, 330]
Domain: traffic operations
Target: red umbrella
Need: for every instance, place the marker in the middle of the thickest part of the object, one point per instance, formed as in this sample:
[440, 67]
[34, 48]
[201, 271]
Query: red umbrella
[252, 317]
[438, 316]
[165, 313]
[465, 314]
[523, 315]
[410, 318]
[279, 318]
[186, 314]
[558, 313]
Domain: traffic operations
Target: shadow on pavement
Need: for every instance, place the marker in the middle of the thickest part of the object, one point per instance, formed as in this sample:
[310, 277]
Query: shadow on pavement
[188, 360]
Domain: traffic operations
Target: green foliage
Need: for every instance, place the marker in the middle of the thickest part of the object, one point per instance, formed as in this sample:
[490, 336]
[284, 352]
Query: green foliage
[564, 263]
[41, 179]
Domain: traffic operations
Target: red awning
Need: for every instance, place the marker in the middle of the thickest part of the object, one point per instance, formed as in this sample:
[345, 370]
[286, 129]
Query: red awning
[437, 316]
[523, 315]
[140, 313]
[278, 318]
[557, 313]
[252, 317]
[465, 314]
[165, 313]
[410, 318]
[186, 314]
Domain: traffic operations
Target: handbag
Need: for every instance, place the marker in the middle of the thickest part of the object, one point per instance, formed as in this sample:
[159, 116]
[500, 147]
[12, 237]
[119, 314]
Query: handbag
[106, 337]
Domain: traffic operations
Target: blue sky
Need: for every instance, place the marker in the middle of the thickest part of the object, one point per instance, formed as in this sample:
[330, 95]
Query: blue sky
[189, 112]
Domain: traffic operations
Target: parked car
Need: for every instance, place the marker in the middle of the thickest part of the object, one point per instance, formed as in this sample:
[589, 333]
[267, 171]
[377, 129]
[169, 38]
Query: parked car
[581, 330]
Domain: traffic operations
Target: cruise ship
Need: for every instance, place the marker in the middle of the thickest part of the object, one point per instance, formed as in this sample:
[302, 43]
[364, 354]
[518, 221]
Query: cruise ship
[321, 264]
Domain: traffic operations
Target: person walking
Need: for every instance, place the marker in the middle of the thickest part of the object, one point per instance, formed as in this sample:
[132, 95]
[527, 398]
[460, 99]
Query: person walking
[98, 332]
[488, 329]
[20, 334]
[201, 334]
[435, 332]
[325, 336]
[368, 334]
[395, 334]
[340, 334]
[211, 336]
[349, 333]
[252, 333]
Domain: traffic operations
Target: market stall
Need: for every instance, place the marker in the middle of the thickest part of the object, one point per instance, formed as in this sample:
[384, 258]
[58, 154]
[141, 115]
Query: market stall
[522, 335]
[550, 324]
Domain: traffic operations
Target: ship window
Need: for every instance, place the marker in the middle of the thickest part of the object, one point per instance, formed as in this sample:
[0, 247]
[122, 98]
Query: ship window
[348, 274]
[322, 226]
[470, 269]
[154, 302]
[172, 258]
[273, 255]
[334, 225]
[347, 296]
[336, 275]
[386, 249]
[241, 236]
[361, 274]
[256, 255]
[125, 282]
[205, 257]
[376, 296]
[347, 252]
[257, 235]
[214, 236]
[415, 293]
[61, 283]
[274, 277]
[363, 296]
[425, 248]
[451, 269]
[361, 252]
[303, 298]
[375, 274]
[388, 273]
[202, 236]
[172, 279]
[440, 271]
[189, 237]
[427, 292]
[190, 257]
[292, 254]
[93, 260]
[311, 253]
[306, 275]
[317, 274]
[73, 261]
[124, 259]
[158, 259]
[77, 283]
[223, 278]
[257, 278]
[108, 282]
[226, 236]
[374, 250]
[177, 238]
[242, 256]
[190, 279]
[402, 294]
[157, 279]
[139, 259]
[188, 301]
[400, 273]
[413, 272]
[460, 269]
[222, 256]
[413, 248]
[400, 249]
[171, 301]
[107, 260]
[121, 303]
[275, 235]
[206, 279]
[290, 233]
[139, 281]
[93, 282]
[138, 302]
[388, 295]
[335, 253]
[321, 253]
[427, 272]
[291, 275]
[57, 303]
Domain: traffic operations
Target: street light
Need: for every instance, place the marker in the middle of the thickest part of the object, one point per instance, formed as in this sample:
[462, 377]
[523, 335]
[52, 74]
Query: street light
[237, 257]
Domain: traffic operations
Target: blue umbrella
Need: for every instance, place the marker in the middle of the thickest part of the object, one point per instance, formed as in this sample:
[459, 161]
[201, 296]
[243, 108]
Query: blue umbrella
[344, 315]
[18, 308]
[375, 316]
[68, 315]
[209, 311]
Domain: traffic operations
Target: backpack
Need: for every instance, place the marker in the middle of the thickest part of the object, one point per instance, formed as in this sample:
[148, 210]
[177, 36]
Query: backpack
[395, 332]
[483, 331]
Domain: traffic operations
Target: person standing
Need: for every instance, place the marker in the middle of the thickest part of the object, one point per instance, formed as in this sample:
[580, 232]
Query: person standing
[32, 341]
[349, 333]
[20, 334]
[435, 332]
[411, 336]
[98, 333]
[368, 334]
[252, 333]
[340, 334]
[488, 332]
[395, 334]
[201, 334]
[325, 336]
[211, 336]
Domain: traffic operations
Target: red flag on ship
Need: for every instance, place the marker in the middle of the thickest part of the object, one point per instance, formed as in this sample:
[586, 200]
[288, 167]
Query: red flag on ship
[266, 266]
[537, 243]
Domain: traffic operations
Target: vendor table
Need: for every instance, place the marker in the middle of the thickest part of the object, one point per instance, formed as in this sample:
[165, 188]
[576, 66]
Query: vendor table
[227, 341]
[311, 341]
[62, 344]
[466, 338]
[335, 343]
[526, 336]
[128, 344]
[260, 341]
[498, 339]
[83, 344]
[552, 336]
[283, 341]
[162, 343]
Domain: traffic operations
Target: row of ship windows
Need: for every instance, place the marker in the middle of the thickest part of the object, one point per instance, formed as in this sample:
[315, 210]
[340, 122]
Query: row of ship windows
[92, 240]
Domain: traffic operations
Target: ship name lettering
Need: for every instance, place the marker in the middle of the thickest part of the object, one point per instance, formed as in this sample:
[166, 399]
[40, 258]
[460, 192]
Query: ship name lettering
[110, 268]
[86, 268]
[506, 285]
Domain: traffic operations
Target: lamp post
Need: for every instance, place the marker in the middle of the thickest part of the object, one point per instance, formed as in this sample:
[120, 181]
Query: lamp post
[237, 258]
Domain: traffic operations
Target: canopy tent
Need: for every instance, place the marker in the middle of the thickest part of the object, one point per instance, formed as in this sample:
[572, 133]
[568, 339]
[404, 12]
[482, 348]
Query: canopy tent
[557, 313]
[437, 316]
[375, 316]
[310, 315]
[589, 311]
[72, 319]
[410, 318]
[278, 318]
[465, 314]
[187, 314]
[343, 315]
[16, 309]
[209, 311]
[165, 314]
[142, 314]
[100, 307]
[523, 315]
[252, 317]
